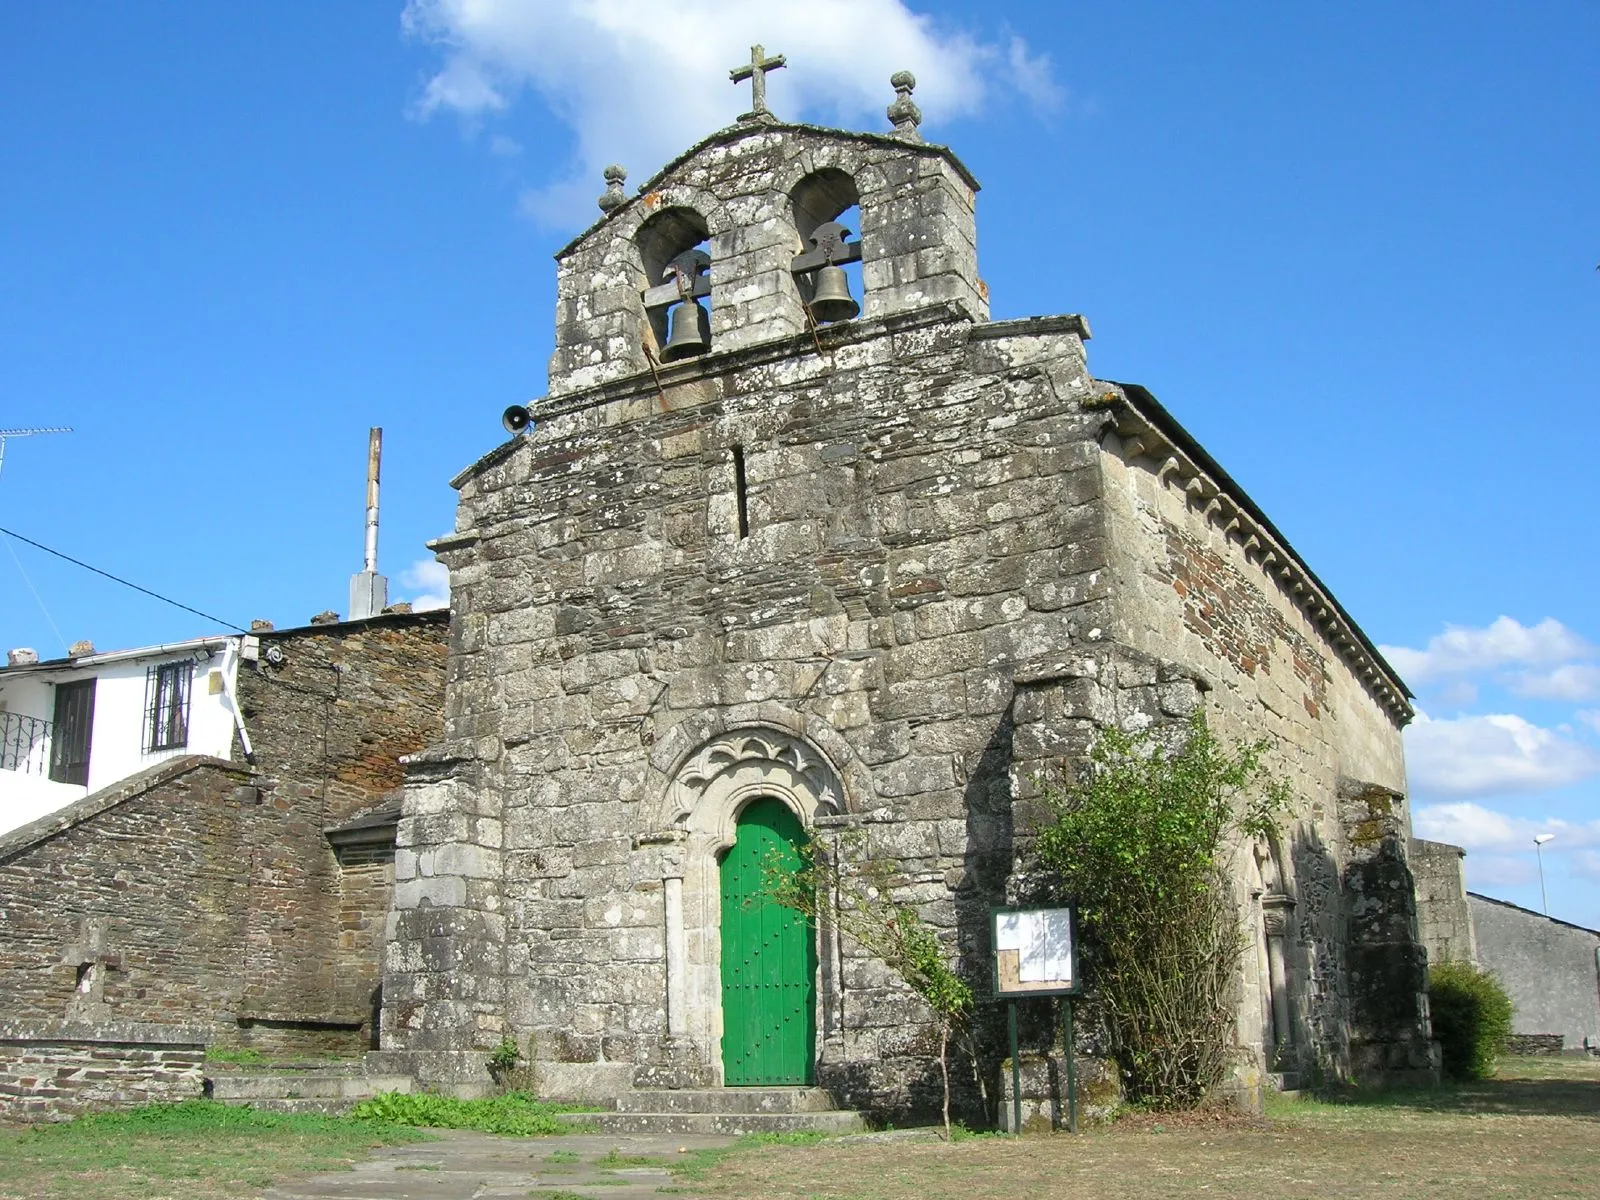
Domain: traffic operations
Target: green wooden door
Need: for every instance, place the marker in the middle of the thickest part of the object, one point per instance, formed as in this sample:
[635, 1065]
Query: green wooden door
[769, 958]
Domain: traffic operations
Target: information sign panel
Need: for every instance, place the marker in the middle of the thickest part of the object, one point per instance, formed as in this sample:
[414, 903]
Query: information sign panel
[1035, 952]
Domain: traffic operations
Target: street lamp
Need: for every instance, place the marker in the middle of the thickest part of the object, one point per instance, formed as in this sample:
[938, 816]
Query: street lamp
[1539, 840]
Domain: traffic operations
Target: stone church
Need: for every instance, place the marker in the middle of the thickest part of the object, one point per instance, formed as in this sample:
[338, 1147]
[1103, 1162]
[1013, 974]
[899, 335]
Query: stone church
[801, 540]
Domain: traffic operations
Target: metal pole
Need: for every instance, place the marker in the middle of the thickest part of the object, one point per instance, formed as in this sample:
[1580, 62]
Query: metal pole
[1543, 899]
[1016, 1073]
[374, 457]
[1072, 1066]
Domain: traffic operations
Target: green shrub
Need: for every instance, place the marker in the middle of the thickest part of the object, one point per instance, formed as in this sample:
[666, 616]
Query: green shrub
[1471, 1018]
[1137, 841]
[515, 1113]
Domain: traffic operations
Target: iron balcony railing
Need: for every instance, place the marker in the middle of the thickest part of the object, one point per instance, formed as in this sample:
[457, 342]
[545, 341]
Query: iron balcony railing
[24, 744]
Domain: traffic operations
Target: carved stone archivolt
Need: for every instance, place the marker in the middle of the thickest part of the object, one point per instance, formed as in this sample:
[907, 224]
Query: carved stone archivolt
[754, 754]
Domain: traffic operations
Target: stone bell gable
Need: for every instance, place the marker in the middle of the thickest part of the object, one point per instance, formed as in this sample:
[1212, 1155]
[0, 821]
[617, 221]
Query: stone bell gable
[874, 572]
[754, 195]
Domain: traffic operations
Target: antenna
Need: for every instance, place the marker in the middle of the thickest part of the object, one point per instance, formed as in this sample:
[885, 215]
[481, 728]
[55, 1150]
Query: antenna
[27, 432]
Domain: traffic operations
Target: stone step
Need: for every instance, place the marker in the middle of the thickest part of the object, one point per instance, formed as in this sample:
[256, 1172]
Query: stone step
[234, 1087]
[728, 1100]
[674, 1124]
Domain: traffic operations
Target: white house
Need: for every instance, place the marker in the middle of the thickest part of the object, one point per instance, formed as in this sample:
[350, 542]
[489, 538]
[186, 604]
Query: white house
[71, 726]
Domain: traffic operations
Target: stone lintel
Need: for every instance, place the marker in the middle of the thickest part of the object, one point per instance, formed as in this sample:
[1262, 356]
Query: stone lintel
[113, 1033]
[463, 539]
[1074, 323]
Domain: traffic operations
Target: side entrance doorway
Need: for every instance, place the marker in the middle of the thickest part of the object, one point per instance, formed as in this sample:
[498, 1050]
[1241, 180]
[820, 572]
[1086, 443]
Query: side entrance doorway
[769, 957]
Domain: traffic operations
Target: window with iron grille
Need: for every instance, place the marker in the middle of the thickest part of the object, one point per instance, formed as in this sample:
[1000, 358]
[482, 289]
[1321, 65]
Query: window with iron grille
[166, 691]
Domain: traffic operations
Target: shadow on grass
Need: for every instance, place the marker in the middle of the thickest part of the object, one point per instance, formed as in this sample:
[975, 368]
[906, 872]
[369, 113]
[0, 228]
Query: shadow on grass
[1518, 1090]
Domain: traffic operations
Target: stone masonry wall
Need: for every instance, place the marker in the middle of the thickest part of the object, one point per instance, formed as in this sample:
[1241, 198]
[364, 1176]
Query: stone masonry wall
[205, 893]
[922, 514]
[1192, 586]
[1443, 915]
[331, 710]
[136, 912]
[51, 1071]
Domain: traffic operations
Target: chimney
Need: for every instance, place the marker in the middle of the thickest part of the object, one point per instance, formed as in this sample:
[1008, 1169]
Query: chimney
[80, 649]
[22, 656]
[369, 591]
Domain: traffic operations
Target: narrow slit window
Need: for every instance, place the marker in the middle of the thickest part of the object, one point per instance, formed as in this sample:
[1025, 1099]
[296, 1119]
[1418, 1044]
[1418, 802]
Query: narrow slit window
[741, 492]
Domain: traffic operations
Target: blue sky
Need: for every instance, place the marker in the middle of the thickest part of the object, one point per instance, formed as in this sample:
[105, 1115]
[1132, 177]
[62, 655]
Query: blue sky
[1352, 247]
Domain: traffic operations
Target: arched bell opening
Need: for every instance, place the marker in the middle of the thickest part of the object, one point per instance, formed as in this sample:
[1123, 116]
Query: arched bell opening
[674, 247]
[827, 267]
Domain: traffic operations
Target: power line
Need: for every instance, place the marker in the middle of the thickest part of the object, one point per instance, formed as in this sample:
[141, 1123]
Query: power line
[116, 579]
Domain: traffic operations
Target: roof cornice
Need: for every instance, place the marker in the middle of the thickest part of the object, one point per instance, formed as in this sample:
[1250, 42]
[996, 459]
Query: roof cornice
[1148, 430]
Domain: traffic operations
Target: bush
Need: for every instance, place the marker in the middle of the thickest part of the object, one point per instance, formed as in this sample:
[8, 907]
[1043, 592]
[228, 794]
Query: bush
[514, 1113]
[1138, 841]
[1471, 1018]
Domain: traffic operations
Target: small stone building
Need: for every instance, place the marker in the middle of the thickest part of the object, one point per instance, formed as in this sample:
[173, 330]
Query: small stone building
[765, 567]
[244, 898]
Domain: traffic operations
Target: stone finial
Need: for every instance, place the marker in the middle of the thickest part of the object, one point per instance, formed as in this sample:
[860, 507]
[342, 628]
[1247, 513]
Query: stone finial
[904, 113]
[260, 626]
[22, 656]
[80, 649]
[326, 617]
[612, 198]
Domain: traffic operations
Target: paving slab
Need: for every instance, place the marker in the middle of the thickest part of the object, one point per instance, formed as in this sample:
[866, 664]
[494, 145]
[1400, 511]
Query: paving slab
[482, 1166]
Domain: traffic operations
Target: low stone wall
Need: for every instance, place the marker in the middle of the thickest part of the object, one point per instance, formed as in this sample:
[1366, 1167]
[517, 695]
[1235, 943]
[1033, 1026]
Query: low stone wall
[1535, 1043]
[51, 1071]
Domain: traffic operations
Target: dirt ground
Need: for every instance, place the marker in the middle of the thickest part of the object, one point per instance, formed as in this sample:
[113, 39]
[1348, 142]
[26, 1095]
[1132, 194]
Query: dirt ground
[1533, 1131]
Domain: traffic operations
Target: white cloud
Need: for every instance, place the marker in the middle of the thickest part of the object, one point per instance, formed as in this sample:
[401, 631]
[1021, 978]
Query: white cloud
[1479, 756]
[1483, 830]
[1591, 718]
[432, 581]
[1500, 870]
[1034, 76]
[1504, 643]
[1571, 681]
[637, 82]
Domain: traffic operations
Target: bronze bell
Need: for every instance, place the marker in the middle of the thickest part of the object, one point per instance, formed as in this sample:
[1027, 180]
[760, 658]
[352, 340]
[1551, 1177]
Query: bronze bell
[690, 332]
[832, 301]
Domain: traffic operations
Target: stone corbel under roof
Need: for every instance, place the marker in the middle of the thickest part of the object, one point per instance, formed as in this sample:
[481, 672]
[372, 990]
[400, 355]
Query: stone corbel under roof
[1148, 430]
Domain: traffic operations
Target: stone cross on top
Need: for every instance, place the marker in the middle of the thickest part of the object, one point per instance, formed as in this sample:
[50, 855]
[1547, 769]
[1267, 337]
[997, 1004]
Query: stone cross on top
[756, 73]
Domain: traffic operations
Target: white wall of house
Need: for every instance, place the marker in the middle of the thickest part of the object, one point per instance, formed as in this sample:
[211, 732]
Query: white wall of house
[121, 728]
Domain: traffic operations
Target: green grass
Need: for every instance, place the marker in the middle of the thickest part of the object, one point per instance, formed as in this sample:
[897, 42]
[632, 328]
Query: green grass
[515, 1114]
[614, 1158]
[563, 1156]
[198, 1149]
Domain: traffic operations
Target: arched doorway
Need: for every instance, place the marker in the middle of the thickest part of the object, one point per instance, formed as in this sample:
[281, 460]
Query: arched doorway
[750, 782]
[769, 956]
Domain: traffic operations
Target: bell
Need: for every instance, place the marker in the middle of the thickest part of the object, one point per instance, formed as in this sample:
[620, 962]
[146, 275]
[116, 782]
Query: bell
[832, 301]
[690, 332]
